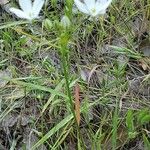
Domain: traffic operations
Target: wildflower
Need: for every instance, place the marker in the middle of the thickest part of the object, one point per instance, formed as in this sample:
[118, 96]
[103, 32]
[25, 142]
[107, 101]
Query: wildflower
[93, 7]
[29, 10]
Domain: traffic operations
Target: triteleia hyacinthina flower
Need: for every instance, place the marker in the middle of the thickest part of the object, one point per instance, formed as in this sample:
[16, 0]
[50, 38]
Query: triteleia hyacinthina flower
[93, 7]
[29, 10]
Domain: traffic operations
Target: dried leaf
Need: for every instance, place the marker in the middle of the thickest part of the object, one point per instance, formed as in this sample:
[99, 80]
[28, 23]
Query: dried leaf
[4, 74]
[29, 139]
[140, 86]
[145, 47]
[9, 121]
[17, 93]
[145, 63]
[84, 74]
[92, 71]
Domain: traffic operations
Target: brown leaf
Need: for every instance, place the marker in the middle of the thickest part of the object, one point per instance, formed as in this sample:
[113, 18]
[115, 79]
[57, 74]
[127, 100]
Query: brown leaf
[140, 86]
[4, 74]
[145, 63]
[144, 47]
[77, 103]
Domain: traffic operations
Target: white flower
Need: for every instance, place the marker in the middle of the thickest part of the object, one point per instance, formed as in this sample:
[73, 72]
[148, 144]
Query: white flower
[29, 11]
[93, 7]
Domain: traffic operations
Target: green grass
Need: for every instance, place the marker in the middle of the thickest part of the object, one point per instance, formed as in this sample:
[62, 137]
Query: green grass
[46, 60]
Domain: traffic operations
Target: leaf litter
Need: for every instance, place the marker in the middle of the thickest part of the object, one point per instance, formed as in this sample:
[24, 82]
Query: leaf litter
[95, 78]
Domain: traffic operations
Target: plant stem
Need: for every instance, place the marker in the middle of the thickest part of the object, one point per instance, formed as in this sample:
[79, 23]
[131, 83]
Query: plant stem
[66, 75]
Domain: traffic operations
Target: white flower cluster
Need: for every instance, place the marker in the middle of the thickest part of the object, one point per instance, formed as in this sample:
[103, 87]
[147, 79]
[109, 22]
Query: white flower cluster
[31, 10]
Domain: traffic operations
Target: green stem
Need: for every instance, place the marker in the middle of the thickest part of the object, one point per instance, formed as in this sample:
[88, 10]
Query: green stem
[66, 74]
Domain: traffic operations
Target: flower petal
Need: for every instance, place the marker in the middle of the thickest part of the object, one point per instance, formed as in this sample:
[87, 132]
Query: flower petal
[101, 12]
[26, 5]
[90, 4]
[101, 6]
[82, 7]
[106, 3]
[19, 13]
[37, 6]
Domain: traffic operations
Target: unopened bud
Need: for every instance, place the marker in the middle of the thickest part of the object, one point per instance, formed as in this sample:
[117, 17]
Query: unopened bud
[48, 24]
[65, 21]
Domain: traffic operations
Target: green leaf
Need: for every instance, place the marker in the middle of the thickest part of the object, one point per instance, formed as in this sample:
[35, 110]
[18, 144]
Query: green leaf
[145, 119]
[146, 143]
[129, 121]
[54, 3]
[58, 88]
[53, 131]
[38, 87]
[128, 52]
[143, 116]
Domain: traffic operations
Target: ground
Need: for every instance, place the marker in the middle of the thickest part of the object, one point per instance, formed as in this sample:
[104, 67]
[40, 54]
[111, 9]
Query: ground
[83, 86]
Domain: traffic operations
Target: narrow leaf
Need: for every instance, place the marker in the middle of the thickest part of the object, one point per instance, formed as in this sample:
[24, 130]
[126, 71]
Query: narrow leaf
[53, 131]
[58, 88]
[77, 103]
[146, 143]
